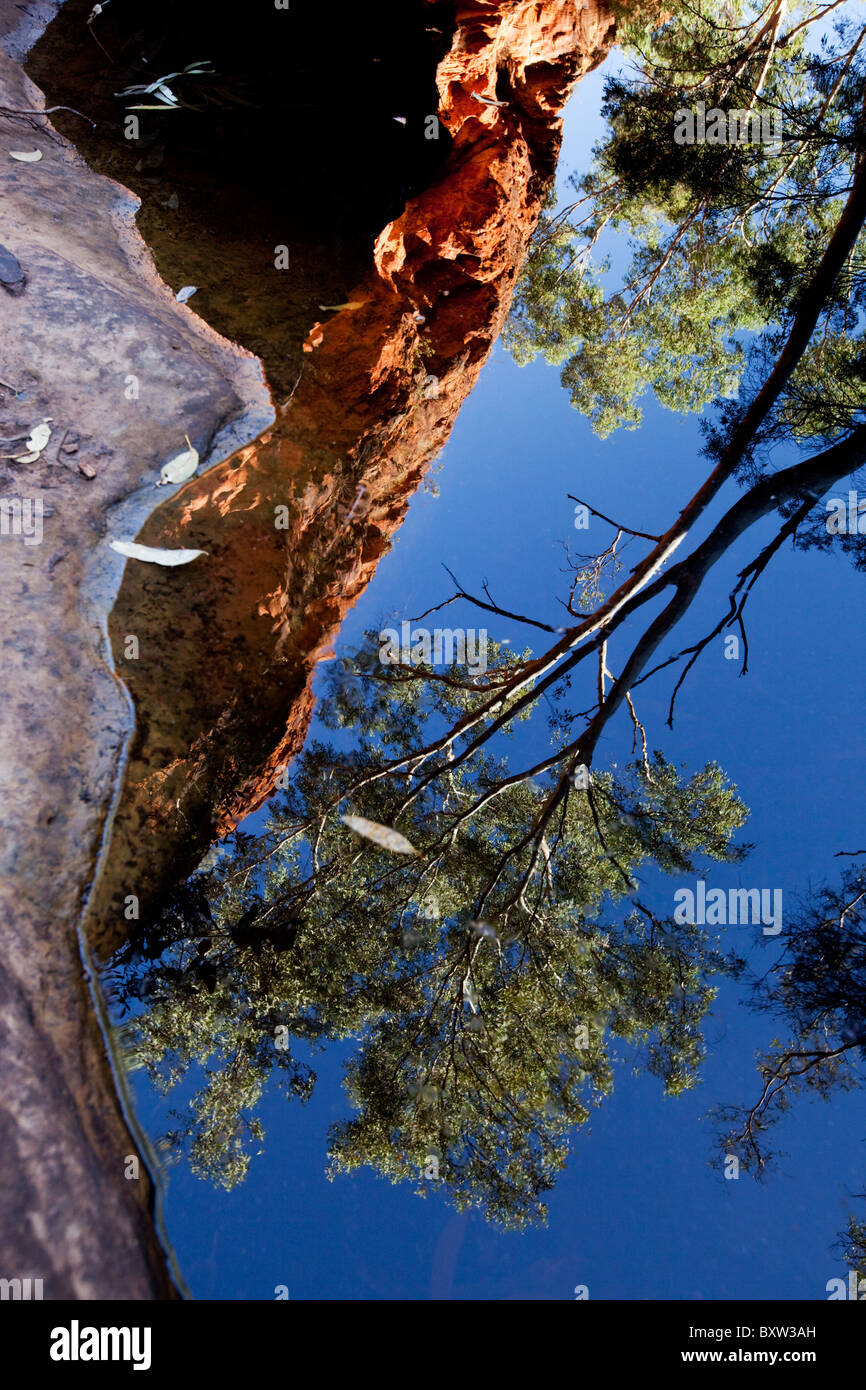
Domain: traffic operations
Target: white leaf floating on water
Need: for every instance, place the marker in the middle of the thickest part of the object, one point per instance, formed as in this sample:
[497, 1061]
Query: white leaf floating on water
[185, 293]
[26, 156]
[153, 554]
[381, 835]
[212, 858]
[178, 469]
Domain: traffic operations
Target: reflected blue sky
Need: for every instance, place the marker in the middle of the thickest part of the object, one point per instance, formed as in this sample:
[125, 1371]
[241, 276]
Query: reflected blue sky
[638, 1214]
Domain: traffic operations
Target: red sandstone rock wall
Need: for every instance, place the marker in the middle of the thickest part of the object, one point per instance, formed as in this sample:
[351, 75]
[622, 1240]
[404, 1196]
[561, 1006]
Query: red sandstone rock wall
[348, 452]
[432, 307]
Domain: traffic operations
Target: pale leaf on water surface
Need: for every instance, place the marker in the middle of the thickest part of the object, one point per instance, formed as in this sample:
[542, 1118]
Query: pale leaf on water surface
[180, 468]
[381, 835]
[153, 554]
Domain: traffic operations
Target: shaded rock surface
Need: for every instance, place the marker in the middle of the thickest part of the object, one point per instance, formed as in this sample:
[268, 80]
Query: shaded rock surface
[92, 313]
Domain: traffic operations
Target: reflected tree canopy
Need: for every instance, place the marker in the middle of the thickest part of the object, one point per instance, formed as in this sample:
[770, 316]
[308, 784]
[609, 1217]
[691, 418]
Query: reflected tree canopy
[491, 971]
[816, 991]
[491, 979]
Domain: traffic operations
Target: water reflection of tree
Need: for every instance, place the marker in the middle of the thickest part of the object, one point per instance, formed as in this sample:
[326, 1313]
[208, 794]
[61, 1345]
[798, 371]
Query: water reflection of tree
[816, 990]
[484, 979]
[745, 289]
[468, 971]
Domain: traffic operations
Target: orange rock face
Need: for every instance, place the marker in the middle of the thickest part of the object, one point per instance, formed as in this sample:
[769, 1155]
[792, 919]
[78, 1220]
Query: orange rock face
[387, 380]
[382, 384]
[375, 404]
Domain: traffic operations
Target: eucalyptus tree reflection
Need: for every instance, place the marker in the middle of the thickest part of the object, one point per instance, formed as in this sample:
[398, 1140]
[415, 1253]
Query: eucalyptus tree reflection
[816, 990]
[489, 977]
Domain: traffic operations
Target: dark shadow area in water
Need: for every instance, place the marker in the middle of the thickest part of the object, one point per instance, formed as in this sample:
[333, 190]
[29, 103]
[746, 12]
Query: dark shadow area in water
[311, 134]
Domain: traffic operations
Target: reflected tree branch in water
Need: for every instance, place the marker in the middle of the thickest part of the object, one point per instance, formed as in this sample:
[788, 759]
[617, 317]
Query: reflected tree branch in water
[486, 849]
[817, 989]
[490, 607]
[618, 526]
[502, 1080]
[489, 979]
[493, 867]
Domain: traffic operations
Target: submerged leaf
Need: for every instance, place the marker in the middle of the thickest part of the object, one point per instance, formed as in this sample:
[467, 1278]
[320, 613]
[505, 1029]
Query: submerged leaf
[36, 441]
[381, 835]
[39, 437]
[153, 554]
